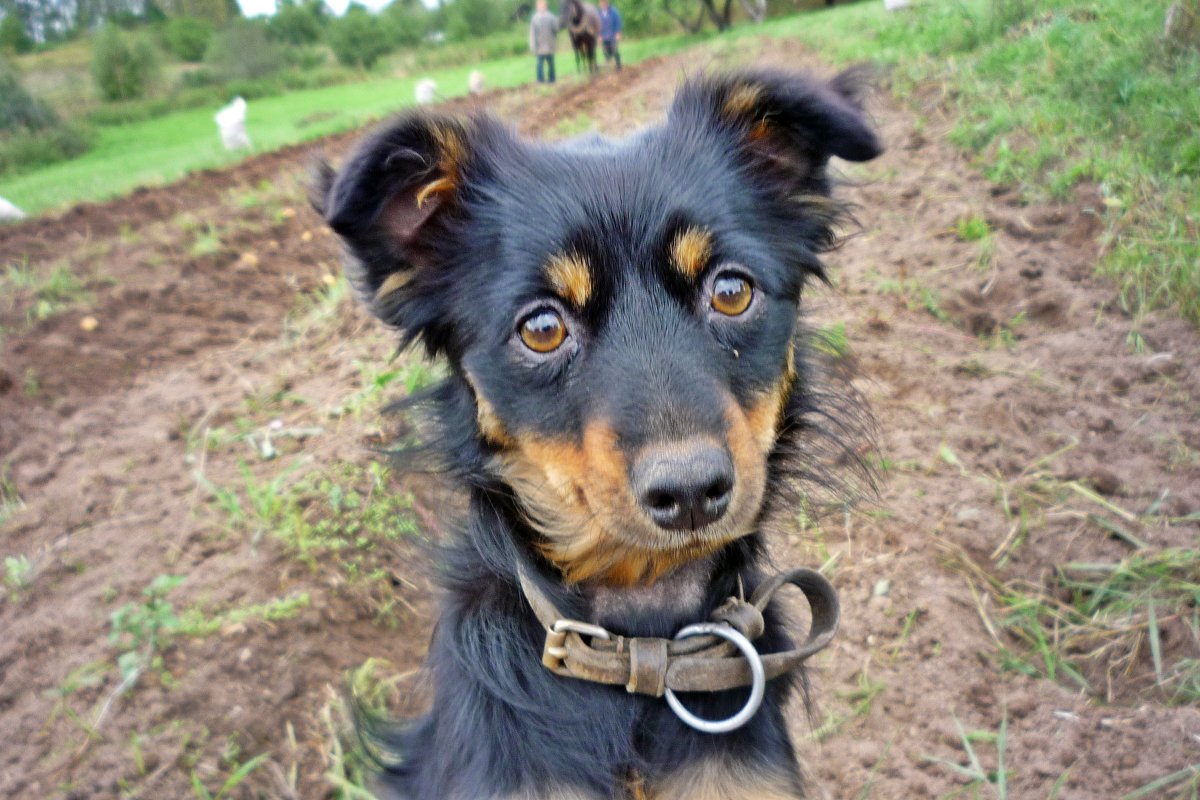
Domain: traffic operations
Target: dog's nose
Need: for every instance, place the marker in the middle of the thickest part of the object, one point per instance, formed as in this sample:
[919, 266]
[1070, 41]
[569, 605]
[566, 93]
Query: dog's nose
[684, 489]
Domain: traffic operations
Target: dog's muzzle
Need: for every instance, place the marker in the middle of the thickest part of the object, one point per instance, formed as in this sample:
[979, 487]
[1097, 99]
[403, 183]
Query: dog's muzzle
[706, 657]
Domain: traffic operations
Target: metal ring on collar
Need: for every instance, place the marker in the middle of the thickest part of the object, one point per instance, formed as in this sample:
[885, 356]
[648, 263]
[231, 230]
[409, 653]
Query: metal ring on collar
[757, 686]
[582, 628]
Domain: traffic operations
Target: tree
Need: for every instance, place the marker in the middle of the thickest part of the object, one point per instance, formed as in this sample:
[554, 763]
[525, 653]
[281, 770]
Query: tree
[123, 68]
[13, 37]
[690, 14]
[295, 24]
[358, 39]
[188, 37]
[242, 51]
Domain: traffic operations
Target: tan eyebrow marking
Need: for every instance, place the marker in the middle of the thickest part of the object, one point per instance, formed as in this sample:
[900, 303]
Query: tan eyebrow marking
[741, 101]
[690, 251]
[571, 278]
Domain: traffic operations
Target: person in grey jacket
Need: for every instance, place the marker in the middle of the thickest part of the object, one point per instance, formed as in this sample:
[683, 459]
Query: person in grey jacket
[543, 39]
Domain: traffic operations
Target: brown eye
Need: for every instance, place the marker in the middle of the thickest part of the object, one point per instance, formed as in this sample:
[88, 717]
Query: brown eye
[731, 294]
[543, 331]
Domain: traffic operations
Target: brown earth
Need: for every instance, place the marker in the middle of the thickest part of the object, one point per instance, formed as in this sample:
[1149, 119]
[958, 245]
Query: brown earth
[216, 327]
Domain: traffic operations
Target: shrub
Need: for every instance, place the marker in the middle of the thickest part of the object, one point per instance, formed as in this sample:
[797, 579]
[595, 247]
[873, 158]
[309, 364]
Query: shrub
[407, 23]
[13, 37]
[358, 39]
[295, 25]
[123, 68]
[18, 108]
[31, 135]
[188, 37]
[242, 51]
[24, 150]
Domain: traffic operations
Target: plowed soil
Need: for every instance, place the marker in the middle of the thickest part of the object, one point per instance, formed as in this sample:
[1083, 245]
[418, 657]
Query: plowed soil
[999, 377]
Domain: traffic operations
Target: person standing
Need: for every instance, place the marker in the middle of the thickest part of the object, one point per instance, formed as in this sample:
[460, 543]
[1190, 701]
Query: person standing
[610, 32]
[543, 40]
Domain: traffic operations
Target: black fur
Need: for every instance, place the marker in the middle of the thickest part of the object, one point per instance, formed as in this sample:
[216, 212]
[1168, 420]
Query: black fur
[644, 355]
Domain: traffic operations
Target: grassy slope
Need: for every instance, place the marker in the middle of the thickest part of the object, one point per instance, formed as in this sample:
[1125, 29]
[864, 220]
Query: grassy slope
[1051, 92]
[163, 149]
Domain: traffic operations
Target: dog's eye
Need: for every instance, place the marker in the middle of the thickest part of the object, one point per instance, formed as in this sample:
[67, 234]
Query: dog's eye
[731, 294]
[543, 331]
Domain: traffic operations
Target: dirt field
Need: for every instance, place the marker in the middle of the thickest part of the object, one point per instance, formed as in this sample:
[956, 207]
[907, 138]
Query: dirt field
[204, 403]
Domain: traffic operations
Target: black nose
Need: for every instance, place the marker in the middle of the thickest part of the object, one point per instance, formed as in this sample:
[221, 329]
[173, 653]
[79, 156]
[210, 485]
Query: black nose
[684, 489]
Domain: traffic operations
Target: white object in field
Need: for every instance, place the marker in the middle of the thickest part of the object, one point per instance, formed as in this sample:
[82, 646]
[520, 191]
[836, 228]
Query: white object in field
[892, 5]
[476, 82]
[232, 121]
[426, 91]
[9, 212]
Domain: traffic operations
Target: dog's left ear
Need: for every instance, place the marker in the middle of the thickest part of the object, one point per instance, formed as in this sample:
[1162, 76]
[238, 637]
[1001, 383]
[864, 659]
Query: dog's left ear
[787, 124]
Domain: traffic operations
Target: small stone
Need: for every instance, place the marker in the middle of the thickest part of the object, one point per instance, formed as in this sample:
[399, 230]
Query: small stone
[306, 236]
[287, 213]
[881, 588]
[244, 656]
[328, 280]
[248, 259]
[89, 324]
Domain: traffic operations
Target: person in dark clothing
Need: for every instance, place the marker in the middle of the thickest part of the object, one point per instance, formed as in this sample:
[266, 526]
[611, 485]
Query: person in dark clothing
[610, 32]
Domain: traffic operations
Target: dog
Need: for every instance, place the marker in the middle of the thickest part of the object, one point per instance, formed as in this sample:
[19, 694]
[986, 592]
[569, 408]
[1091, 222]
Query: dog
[628, 400]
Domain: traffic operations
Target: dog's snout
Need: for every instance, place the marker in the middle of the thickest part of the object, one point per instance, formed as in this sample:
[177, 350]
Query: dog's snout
[684, 489]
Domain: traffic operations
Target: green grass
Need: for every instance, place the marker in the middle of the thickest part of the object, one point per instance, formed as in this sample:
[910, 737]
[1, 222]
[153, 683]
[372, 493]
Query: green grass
[1049, 93]
[163, 149]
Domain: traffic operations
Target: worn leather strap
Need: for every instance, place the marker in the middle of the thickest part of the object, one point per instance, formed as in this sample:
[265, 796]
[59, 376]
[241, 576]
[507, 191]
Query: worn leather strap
[651, 665]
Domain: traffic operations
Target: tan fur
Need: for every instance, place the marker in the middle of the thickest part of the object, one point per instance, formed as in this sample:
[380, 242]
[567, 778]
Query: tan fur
[690, 252]
[392, 284]
[452, 153]
[571, 277]
[741, 102]
[577, 495]
[725, 780]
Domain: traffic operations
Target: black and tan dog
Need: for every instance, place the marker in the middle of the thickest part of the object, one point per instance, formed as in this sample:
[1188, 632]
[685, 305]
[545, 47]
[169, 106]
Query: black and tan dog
[627, 400]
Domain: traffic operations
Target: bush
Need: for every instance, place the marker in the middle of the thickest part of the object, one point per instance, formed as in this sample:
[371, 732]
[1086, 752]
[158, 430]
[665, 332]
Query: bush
[18, 108]
[31, 135]
[188, 37]
[242, 51]
[358, 39]
[13, 37]
[123, 69]
[25, 150]
[295, 25]
[407, 23]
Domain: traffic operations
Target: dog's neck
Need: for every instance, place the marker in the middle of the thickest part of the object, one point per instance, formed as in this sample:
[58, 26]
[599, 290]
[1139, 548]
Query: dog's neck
[674, 599]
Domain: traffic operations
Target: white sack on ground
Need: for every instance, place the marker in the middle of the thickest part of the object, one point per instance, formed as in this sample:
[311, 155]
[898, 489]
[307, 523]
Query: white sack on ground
[9, 212]
[426, 91]
[232, 121]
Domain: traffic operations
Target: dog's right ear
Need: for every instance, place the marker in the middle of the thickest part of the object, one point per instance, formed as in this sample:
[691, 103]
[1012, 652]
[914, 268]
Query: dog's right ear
[390, 203]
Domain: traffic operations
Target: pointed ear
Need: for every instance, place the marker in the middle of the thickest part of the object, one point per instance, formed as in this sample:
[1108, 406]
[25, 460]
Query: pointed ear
[788, 124]
[389, 203]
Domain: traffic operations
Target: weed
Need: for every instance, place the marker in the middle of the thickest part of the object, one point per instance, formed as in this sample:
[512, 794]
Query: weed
[1101, 619]
[51, 293]
[974, 770]
[207, 242]
[973, 229]
[10, 500]
[232, 782]
[1184, 783]
[18, 572]
[194, 622]
[141, 630]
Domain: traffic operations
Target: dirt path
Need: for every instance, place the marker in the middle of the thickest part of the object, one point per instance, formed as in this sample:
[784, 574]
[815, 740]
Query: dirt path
[224, 404]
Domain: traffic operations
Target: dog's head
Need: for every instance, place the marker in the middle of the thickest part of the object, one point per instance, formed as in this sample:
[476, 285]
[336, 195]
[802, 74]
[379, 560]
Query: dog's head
[619, 316]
